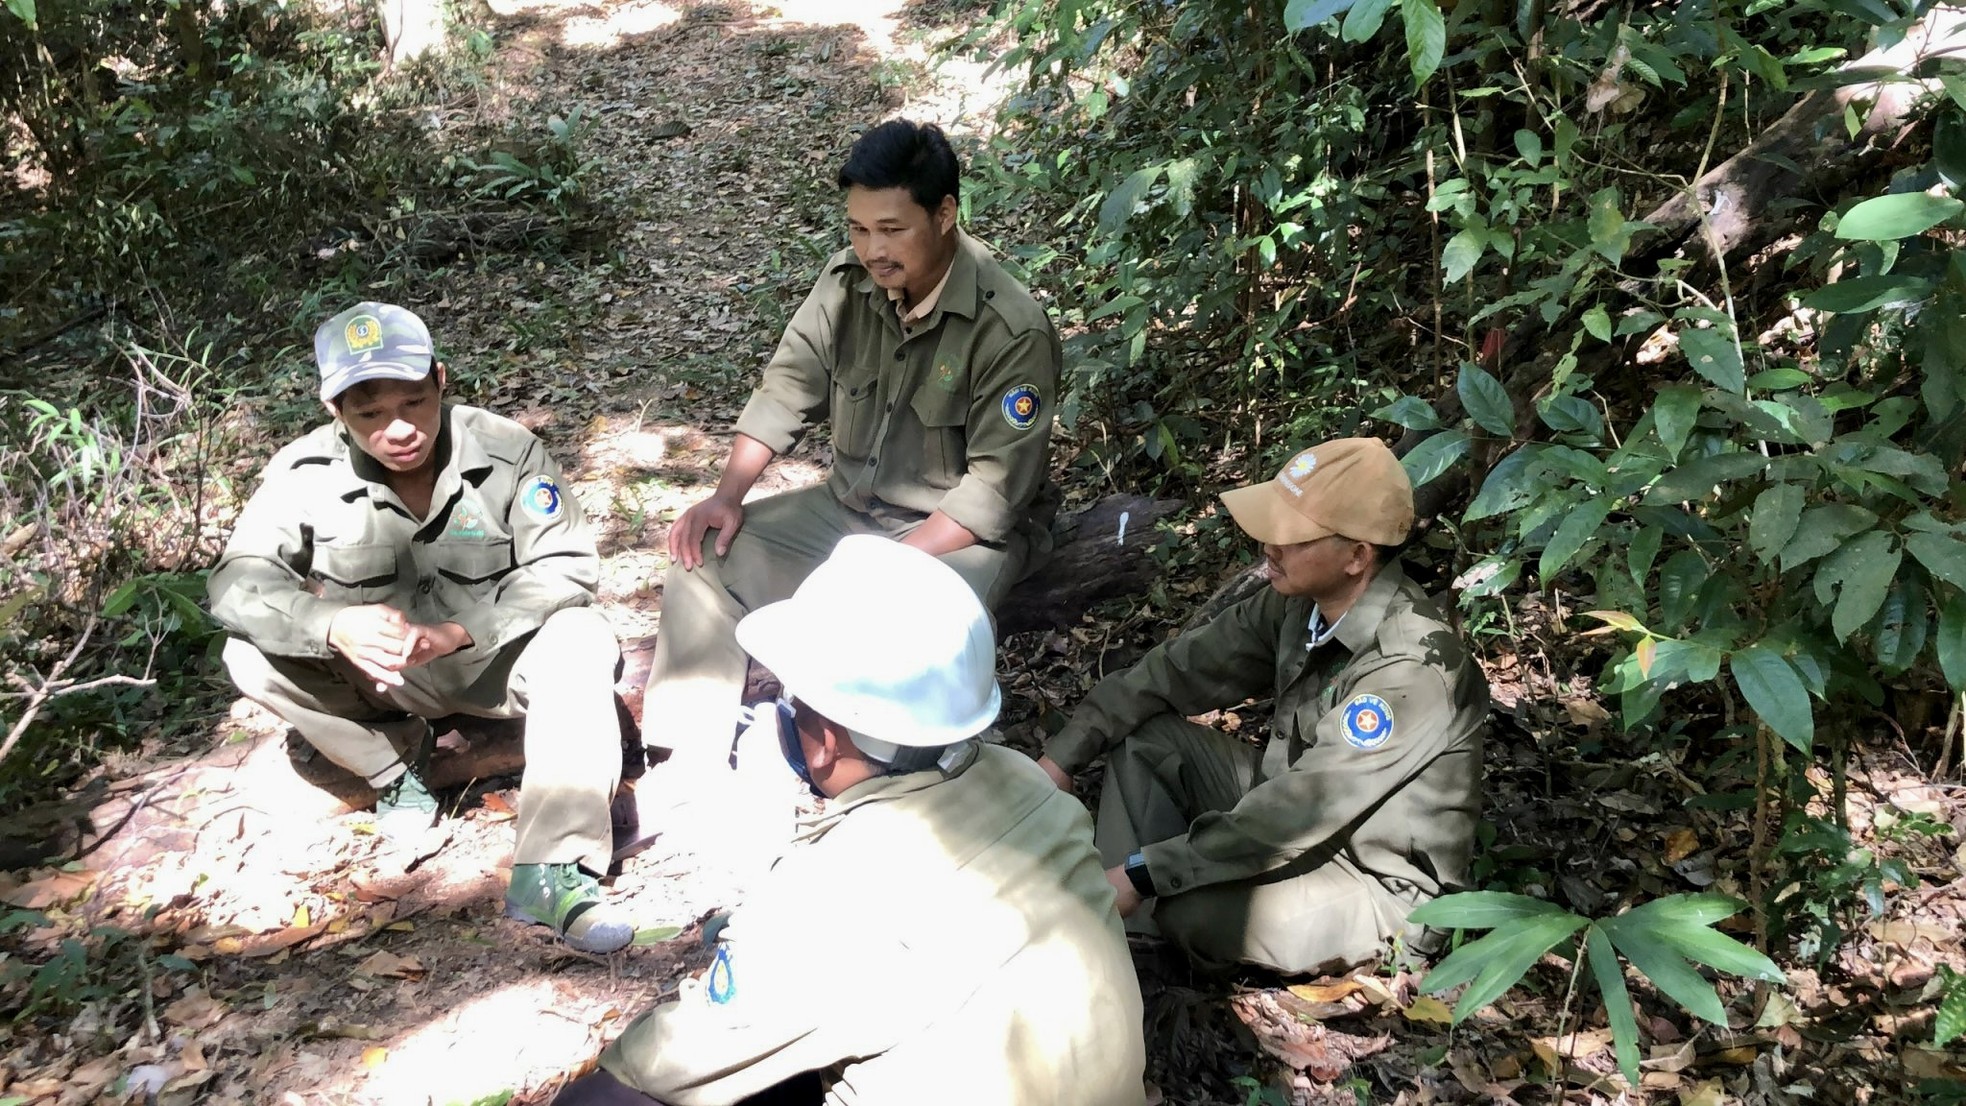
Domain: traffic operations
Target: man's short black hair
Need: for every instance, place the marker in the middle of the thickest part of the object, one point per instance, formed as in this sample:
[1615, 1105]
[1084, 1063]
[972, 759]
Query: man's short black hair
[901, 153]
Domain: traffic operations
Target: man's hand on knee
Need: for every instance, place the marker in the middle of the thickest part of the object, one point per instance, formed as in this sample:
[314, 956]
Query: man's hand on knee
[686, 536]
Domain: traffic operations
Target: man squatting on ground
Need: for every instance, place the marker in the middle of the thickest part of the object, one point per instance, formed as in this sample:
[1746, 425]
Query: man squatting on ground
[943, 931]
[938, 370]
[1309, 855]
[410, 560]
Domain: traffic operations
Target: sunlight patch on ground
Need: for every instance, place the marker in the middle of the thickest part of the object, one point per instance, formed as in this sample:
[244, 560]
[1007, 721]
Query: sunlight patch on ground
[493, 1043]
[583, 27]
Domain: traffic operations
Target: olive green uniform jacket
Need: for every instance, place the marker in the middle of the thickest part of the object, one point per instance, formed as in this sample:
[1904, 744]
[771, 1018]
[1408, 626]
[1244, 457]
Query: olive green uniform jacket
[931, 937]
[1374, 757]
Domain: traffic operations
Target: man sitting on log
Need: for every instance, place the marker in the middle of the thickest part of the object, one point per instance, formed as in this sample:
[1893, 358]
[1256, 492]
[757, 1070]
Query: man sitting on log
[411, 560]
[939, 372]
[1308, 855]
[942, 932]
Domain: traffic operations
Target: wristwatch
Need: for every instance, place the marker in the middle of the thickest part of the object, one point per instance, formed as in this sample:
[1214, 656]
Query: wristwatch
[1137, 874]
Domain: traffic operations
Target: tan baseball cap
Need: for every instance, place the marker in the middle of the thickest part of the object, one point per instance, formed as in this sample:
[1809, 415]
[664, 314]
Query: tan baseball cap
[1349, 486]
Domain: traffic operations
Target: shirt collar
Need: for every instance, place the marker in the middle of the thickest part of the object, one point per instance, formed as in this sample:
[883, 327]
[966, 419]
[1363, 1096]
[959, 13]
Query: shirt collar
[921, 310]
[1358, 626]
[884, 788]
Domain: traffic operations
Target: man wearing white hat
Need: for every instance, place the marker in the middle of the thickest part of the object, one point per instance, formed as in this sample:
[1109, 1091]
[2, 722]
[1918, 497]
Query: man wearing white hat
[410, 560]
[1308, 854]
[942, 931]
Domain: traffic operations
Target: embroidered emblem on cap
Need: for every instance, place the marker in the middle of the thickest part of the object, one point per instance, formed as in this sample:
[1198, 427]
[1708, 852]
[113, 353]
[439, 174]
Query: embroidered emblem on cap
[1020, 407]
[1302, 466]
[1368, 722]
[723, 981]
[363, 332]
[541, 498]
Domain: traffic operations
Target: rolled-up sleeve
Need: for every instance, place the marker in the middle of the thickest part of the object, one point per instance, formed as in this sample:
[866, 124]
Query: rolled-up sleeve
[1006, 464]
[796, 390]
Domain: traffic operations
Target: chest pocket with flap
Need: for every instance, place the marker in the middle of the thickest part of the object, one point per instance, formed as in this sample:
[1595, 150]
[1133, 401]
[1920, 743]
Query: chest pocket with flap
[357, 573]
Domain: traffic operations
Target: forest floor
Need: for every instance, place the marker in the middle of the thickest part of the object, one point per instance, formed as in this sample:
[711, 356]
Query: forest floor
[289, 956]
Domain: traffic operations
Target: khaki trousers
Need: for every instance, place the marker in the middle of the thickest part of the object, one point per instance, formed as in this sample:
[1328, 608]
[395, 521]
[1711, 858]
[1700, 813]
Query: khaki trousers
[560, 680]
[696, 677]
[1318, 914]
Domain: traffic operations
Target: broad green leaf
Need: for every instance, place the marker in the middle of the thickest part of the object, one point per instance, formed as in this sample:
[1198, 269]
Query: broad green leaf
[1460, 254]
[1943, 555]
[1617, 620]
[1949, 148]
[1665, 967]
[1609, 235]
[25, 10]
[1887, 217]
[1610, 976]
[1644, 549]
[1951, 645]
[1951, 1020]
[1868, 293]
[1772, 688]
[1435, 455]
[1776, 511]
[1597, 320]
[1578, 526]
[1498, 961]
[1674, 414]
[1122, 201]
[1426, 37]
[1299, 14]
[1510, 484]
[1411, 412]
[1680, 580]
[1716, 950]
[1902, 624]
[1823, 529]
[1530, 145]
[1703, 909]
[1779, 379]
[1480, 910]
[1487, 402]
[1697, 478]
[1860, 573]
[1572, 415]
[1713, 355]
[1363, 21]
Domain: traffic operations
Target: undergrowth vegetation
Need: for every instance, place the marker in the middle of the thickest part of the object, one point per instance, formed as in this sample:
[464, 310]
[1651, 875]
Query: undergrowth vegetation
[1662, 301]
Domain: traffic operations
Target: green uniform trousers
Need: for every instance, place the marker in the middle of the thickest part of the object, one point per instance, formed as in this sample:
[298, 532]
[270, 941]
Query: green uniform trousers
[560, 680]
[1317, 914]
[696, 678]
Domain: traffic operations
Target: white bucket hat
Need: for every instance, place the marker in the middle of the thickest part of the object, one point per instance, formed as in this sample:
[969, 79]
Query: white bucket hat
[885, 640]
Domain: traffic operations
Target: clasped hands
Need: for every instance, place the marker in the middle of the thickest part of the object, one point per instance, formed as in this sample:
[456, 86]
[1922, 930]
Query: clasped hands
[381, 642]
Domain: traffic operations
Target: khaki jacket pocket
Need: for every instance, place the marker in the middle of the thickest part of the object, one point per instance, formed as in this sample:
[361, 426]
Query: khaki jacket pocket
[355, 573]
[474, 562]
[856, 411]
[945, 435]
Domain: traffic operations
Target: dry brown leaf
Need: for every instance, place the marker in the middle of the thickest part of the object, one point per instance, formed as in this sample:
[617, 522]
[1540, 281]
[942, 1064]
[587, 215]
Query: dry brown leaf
[1587, 713]
[195, 1010]
[1555, 1054]
[1662, 1081]
[383, 964]
[1705, 1093]
[52, 889]
[1670, 1058]
[1739, 1055]
[1426, 1008]
[1680, 844]
[1325, 992]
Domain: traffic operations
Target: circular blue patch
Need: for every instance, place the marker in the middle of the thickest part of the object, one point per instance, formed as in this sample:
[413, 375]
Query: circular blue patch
[1020, 406]
[541, 498]
[1368, 722]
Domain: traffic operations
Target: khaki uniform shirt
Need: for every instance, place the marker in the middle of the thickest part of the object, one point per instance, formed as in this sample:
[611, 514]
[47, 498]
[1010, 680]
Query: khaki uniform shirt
[929, 938]
[1375, 749]
[951, 413]
[503, 546]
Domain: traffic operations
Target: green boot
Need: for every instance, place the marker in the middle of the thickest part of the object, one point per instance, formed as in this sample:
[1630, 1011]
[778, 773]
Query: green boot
[569, 900]
[404, 807]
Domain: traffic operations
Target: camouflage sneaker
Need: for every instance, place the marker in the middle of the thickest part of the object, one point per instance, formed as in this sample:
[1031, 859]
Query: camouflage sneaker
[404, 806]
[569, 900]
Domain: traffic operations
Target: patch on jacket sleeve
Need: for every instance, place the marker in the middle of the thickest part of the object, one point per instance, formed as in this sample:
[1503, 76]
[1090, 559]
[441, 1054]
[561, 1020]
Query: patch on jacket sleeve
[722, 986]
[541, 498]
[1020, 406]
[1368, 722]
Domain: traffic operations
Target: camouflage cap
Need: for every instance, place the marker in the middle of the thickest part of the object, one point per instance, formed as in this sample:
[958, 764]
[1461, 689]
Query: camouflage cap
[371, 341]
